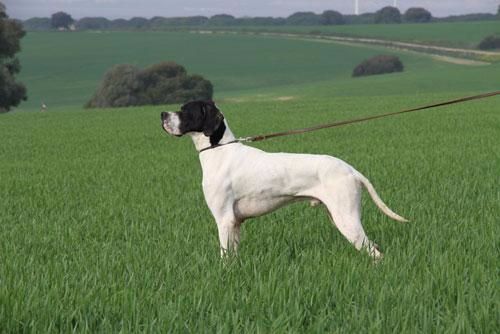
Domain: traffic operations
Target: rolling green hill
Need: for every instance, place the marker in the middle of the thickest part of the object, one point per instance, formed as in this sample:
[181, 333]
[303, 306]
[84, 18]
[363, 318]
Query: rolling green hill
[64, 69]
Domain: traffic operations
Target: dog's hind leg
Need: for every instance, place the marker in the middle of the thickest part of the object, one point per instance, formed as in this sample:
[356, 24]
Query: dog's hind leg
[344, 209]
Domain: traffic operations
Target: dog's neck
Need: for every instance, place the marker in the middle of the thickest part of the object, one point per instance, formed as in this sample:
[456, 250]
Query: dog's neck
[222, 136]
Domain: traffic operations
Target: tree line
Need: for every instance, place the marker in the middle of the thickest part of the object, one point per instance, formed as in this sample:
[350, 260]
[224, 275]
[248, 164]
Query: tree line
[385, 15]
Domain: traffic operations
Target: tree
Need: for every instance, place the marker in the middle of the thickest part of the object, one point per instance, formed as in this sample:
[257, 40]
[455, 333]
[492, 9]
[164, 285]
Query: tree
[93, 23]
[118, 88]
[262, 21]
[11, 32]
[222, 20]
[167, 82]
[304, 18]
[138, 22]
[61, 20]
[365, 18]
[119, 24]
[191, 21]
[157, 22]
[388, 15]
[417, 15]
[37, 24]
[332, 17]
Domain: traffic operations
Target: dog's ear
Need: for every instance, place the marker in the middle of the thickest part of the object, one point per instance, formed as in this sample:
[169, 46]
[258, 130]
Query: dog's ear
[213, 118]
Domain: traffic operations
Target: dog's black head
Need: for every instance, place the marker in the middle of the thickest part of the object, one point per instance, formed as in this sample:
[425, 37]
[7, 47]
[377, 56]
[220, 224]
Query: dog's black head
[194, 116]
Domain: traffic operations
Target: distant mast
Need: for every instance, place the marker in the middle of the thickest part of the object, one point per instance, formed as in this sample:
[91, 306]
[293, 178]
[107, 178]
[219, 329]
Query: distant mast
[356, 7]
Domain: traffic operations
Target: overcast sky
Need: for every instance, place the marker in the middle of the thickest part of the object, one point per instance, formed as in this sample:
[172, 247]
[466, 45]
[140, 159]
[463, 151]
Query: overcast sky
[23, 9]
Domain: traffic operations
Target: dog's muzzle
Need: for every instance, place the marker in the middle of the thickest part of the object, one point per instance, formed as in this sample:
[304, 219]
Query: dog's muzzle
[170, 123]
[164, 121]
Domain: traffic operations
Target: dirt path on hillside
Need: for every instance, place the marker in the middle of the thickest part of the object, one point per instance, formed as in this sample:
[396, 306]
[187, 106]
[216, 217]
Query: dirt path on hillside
[460, 61]
[447, 54]
[447, 59]
[415, 45]
[452, 55]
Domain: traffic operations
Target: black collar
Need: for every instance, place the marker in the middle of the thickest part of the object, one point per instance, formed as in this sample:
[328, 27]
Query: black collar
[218, 145]
[216, 137]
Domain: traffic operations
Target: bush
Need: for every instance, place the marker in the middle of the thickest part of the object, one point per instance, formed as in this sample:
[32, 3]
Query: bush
[119, 24]
[262, 21]
[388, 15]
[332, 17]
[37, 24]
[417, 15]
[378, 65]
[304, 18]
[222, 20]
[365, 18]
[93, 23]
[490, 43]
[466, 17]
[138, 23]
[167, 82]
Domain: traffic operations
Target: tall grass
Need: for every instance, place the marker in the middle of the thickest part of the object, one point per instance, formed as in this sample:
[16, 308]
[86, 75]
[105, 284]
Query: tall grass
[103, 225]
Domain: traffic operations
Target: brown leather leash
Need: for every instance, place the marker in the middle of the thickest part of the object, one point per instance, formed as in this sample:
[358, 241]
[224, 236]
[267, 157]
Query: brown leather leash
[351, 121]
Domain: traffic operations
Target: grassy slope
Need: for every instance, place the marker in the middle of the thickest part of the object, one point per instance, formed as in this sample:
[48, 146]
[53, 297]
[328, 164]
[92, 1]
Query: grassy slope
[100, 231]
[62, 72]
[457, 34]
[63, 69]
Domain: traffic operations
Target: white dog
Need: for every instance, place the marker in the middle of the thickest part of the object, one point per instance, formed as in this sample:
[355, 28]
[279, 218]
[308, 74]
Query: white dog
[241, 182]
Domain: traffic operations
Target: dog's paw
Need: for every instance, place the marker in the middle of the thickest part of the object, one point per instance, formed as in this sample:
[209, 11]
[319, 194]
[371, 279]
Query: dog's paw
[375, 253]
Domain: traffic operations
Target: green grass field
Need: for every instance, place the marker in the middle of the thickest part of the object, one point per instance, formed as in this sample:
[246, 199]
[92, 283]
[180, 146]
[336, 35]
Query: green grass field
[104, 226]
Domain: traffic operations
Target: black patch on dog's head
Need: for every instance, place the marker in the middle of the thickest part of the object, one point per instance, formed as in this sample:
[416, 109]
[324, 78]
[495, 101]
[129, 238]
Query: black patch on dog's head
[202, 116]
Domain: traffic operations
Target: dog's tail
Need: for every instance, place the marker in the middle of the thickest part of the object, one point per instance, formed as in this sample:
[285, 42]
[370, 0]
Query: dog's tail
[378, 201]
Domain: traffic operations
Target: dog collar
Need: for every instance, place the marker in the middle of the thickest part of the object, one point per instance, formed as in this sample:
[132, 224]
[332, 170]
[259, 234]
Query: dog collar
[218, 145]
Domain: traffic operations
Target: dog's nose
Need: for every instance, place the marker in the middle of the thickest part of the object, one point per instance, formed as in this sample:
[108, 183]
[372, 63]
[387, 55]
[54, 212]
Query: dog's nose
[164, 115]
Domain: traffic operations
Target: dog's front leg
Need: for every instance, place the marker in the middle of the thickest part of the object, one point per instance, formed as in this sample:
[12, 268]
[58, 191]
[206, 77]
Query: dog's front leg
[218, 196]
[229, 235]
